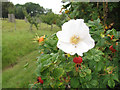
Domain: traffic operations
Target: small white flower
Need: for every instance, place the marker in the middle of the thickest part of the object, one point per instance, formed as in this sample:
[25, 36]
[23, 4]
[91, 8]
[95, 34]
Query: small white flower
[75, 37]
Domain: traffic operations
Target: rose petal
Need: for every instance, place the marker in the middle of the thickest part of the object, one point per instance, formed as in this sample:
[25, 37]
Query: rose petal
[64, 37]
[66, 47]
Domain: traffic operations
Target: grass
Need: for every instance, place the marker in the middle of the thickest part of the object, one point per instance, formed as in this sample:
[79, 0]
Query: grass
[18, 76]
[16, 44]
[18, 49]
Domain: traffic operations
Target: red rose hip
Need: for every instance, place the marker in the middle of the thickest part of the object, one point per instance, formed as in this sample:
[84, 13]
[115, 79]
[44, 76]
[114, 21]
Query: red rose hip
[40, 80]
[112, 49]
[77, 59]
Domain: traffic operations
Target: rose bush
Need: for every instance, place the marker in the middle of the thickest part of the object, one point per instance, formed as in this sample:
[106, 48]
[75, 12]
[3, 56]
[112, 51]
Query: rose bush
[96, 68]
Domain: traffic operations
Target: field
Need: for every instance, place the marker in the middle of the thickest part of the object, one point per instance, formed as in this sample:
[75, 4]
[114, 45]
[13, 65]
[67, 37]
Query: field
[19, 49]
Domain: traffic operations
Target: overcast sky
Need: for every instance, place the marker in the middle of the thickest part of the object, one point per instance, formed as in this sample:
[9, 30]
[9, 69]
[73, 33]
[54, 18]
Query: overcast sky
[55, 5]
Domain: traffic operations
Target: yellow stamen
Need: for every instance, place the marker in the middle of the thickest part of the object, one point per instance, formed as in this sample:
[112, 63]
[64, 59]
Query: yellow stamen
[75, 39]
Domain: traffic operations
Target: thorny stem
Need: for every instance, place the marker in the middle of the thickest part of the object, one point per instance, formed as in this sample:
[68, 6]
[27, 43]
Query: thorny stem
[33, 85]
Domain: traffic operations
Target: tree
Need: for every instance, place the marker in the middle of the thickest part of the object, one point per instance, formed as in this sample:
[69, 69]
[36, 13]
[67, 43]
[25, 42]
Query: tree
[19, 11]
[61, 19]
[50, 18]
[48, 10]
[7, 7]
[31, 20]
[11, 8]
[34, 9]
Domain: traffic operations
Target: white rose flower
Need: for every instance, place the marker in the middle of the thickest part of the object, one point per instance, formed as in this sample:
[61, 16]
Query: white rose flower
[75, 37]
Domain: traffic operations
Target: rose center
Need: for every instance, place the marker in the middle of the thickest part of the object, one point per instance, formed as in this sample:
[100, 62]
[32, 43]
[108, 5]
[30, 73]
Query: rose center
[75, 39]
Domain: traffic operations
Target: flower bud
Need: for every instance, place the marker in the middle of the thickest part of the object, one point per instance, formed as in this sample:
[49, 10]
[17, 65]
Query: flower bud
[41, 39]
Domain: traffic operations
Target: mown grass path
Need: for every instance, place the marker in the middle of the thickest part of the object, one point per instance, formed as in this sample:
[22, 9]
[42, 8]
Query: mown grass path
[19, 77]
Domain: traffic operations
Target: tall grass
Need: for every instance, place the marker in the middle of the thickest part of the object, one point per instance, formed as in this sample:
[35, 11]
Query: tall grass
[18, 43]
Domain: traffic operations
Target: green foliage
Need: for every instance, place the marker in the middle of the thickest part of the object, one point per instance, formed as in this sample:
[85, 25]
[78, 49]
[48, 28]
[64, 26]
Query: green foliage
[99, 68]
[61, 19]
[84, 10]
[111, 83]
[49, 18]
[92, 11]
[74, 82]
[57, 72]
